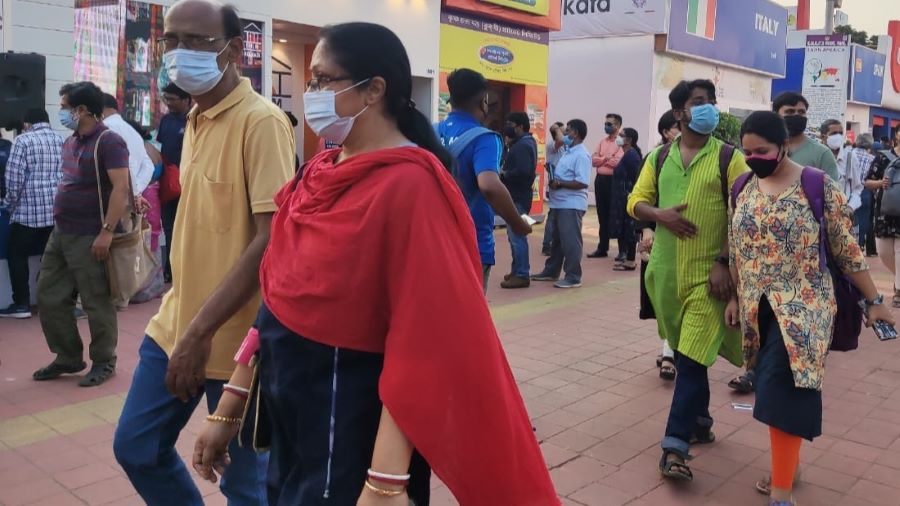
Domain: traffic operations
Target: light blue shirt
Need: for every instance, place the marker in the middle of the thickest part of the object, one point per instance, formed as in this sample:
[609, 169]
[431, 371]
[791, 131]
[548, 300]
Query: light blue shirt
[553, 154]
[574, 165]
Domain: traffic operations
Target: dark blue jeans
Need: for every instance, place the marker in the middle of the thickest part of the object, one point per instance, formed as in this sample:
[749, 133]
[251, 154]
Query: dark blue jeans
[689, 415]
[864, 218]
[521, 267]
[151, 422]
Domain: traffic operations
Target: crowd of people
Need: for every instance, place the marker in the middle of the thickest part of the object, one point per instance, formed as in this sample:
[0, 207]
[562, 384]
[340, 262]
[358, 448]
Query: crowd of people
[333, 386]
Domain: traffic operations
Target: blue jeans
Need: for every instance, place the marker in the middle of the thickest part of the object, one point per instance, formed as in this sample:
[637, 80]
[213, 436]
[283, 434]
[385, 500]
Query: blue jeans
[689, 414]
[145, 439]
[519, 244]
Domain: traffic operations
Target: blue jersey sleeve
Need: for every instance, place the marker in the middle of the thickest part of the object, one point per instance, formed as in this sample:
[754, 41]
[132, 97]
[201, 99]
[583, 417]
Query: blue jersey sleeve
[487, 153]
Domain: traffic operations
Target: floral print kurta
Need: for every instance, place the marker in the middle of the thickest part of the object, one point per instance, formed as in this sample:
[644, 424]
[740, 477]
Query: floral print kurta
[775, 247]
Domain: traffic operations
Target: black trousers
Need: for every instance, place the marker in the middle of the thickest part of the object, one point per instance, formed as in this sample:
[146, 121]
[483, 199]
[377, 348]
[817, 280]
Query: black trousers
[325, 411]
[602, 195]
[24, 242]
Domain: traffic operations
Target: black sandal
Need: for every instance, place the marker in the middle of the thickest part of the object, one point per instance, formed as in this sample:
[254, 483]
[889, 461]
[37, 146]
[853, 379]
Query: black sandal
[55, 370]
[659, 359]
[667, 369]
[704, 439]
[668, 467]
[745, 384]
[625, 267]
[98, 375]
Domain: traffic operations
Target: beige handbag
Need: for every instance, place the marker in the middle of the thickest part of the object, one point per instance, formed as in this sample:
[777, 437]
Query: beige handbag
[130, 259]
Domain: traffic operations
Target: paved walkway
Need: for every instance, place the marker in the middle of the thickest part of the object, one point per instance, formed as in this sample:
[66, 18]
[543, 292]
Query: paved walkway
[586, 368]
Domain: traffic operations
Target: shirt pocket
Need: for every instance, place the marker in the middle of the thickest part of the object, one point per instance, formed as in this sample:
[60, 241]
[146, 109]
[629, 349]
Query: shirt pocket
[217, 203]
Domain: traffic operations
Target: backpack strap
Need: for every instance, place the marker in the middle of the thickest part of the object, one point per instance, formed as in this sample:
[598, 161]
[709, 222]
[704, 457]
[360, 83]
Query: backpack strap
[462, 142]
[812, 181]
[739, 184]
[726, 152]
[660, 161]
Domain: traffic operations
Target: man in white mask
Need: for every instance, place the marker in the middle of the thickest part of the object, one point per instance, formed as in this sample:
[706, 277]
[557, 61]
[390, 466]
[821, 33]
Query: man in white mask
[238, 151]
[832, 133]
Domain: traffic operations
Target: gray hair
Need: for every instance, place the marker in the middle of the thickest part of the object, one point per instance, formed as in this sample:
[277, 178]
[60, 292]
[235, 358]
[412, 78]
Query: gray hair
[865, 141]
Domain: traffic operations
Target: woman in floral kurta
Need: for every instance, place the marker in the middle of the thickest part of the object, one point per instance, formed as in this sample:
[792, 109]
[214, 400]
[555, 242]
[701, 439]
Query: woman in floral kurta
[785, 302]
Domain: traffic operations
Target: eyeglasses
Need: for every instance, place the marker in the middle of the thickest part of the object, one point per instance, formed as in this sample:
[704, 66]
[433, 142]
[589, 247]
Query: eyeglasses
[194, 42]
[316, 83]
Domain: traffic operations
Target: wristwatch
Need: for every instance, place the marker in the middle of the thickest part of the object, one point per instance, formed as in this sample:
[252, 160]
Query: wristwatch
[866, 304]
[107, 227]
[723, 260]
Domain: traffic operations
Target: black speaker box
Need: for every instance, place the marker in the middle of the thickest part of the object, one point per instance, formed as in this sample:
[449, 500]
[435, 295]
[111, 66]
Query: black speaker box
[22, 86]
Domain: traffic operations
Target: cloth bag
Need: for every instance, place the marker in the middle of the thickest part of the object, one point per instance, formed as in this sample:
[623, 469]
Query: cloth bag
[890, 198]
[130, 260]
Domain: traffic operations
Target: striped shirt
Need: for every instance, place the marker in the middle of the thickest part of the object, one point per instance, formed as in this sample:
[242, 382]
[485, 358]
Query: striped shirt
[77, 206]
[32, 174]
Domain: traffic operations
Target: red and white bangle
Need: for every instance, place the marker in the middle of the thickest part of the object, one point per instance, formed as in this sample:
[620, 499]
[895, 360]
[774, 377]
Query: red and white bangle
[241, 392]
[390, 479]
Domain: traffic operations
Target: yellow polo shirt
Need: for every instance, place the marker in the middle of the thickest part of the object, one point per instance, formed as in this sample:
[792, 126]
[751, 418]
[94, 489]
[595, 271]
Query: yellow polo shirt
[236, 156]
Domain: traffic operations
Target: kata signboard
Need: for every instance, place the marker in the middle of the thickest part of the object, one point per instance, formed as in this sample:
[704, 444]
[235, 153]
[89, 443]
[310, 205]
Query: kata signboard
[750, 34]
[600, 18]
[539, 7]
[499, 51]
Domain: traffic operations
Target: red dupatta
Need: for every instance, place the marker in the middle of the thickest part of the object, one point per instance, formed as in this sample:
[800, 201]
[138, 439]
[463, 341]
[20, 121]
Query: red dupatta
[378, 253]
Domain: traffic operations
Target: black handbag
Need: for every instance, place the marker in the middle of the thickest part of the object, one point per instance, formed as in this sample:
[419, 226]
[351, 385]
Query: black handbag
[256, 429]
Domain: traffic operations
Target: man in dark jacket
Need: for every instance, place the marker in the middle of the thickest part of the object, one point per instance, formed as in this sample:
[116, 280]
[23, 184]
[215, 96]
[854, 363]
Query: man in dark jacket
[518, 176]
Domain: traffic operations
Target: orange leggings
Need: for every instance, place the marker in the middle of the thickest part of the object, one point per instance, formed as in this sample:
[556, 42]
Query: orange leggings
[785, 458]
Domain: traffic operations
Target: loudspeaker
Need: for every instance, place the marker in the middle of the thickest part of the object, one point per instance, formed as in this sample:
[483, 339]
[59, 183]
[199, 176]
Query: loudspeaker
[22, 86]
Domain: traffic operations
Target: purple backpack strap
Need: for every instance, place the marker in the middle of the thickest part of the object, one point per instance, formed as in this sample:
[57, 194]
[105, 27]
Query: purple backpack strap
[739, 184]
[813, 182]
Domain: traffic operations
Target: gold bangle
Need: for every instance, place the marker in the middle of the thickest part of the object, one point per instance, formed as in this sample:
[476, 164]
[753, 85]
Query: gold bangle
[223, 419]
[382, 492]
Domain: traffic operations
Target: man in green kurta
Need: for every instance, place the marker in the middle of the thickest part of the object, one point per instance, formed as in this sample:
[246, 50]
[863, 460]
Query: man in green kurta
[687, 277]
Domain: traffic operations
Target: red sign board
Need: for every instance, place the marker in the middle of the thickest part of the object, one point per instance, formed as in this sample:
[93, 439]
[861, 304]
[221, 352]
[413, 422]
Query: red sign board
[894, 57]
[551, 22]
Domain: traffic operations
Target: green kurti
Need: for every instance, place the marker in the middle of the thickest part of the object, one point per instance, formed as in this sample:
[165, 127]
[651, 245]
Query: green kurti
[688, 317]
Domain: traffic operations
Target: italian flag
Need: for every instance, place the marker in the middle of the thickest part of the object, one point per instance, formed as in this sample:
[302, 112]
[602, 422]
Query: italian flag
[701, 18]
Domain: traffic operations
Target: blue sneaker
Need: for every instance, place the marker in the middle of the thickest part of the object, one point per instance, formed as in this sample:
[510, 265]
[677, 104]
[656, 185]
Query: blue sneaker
[565, 283]
[15, 311]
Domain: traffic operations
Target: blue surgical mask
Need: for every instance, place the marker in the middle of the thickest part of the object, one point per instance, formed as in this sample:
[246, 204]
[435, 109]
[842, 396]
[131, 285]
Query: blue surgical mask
[67, 118]
[609, 129]
[704, 119]
[567, 141]
[196, 72]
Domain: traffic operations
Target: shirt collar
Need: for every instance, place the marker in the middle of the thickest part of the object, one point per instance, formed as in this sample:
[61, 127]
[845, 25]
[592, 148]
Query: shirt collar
[241, 91]
[40, 126]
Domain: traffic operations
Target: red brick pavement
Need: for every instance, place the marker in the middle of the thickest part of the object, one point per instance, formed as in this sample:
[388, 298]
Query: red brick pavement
[586, 369]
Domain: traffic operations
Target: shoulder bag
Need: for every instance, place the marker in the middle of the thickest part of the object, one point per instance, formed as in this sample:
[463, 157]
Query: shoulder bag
[130, 259]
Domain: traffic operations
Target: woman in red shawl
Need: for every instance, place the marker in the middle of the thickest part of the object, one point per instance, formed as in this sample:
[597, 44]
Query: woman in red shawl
[378, 359]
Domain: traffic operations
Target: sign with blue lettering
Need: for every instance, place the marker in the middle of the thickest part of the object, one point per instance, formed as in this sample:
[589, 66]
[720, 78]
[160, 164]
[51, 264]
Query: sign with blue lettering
[750, 34]
[867, 81]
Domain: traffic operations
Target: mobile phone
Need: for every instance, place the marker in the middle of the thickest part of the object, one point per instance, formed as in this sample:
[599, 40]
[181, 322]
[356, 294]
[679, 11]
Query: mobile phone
[885, 331]
[529, 220]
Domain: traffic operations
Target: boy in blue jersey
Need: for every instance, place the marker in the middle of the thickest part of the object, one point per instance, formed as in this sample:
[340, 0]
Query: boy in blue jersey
[479, 163]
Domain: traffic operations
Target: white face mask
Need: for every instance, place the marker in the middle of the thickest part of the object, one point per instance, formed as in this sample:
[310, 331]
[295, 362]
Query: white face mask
[196, 72]
[835, 141]
[620, 141]
[320, 114]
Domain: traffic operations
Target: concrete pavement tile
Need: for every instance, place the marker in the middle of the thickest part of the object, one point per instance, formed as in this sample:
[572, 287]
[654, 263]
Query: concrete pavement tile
[554, 456]
[875, 492]
[108, 490]
[827, 478]
[63, 499]
[602, 495]
[573, 439]
[843, 464]
[579, 473]
[24, 430]
[85, 475]
[29, 492]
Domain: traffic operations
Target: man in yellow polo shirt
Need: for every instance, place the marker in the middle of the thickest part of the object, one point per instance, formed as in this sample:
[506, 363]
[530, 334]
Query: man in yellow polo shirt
[238, 151]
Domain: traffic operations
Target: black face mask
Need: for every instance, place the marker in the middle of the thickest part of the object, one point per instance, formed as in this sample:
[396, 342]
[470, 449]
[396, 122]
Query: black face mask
[796, 124]
[764, 167]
